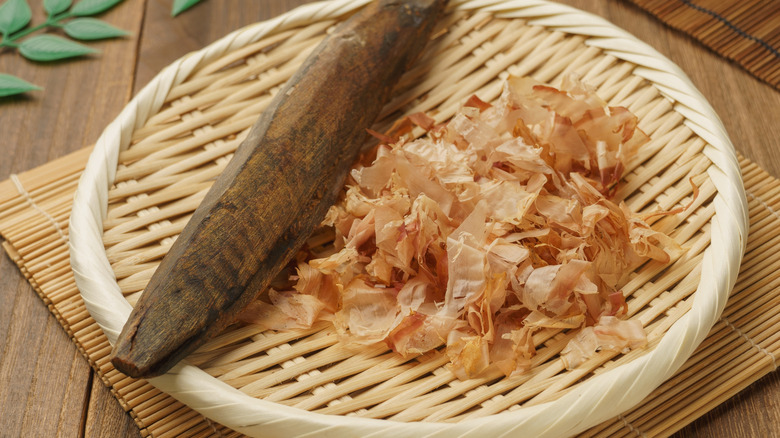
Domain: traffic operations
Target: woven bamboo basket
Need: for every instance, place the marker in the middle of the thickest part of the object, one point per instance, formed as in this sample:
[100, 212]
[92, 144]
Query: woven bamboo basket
[155, 162]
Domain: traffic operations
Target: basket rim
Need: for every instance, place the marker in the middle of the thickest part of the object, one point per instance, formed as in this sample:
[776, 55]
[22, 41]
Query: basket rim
[582, 407]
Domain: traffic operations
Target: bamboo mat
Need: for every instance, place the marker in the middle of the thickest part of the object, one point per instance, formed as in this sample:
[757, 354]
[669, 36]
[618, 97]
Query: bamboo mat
[742, 347]
[744, 31]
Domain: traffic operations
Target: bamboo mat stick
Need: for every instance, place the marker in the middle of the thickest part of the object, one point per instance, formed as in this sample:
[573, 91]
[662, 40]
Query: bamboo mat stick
[746, 31]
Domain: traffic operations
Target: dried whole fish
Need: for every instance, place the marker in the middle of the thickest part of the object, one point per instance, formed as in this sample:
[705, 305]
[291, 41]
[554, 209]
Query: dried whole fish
[292, 165]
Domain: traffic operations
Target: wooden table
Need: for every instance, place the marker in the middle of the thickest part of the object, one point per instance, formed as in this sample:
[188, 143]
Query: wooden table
[46, 386]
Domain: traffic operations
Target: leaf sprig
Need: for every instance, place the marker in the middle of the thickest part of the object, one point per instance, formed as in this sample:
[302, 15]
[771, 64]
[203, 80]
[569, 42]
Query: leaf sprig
[74, 20]
[10, 85]
[180, 6]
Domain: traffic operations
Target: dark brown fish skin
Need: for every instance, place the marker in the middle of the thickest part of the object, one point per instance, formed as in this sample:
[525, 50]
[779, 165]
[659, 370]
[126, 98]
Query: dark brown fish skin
[277, 188]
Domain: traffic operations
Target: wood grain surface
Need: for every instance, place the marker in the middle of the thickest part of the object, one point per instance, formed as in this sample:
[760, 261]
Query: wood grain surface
[47, 388]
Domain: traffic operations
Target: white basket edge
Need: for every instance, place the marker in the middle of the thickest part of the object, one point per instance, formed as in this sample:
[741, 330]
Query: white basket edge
[230, 407]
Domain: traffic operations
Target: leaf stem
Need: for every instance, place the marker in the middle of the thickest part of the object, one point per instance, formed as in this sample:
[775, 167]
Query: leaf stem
[60, 17]
[53, 21]
[25, 32]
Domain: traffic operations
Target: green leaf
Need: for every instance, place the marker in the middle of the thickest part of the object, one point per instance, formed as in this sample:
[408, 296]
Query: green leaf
[51, 48]
[14, 15]
[54, 7]
[92, 7]
[180, 6]
[10, 85]
[92, 29]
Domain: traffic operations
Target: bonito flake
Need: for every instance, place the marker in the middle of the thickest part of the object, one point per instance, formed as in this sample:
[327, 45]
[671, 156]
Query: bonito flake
[489, 229]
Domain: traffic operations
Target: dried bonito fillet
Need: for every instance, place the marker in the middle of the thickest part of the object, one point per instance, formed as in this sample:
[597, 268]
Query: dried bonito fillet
[492, 227]
[277, 187]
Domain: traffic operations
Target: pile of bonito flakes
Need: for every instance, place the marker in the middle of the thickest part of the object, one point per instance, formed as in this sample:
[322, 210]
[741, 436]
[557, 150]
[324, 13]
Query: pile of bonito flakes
[491, 228]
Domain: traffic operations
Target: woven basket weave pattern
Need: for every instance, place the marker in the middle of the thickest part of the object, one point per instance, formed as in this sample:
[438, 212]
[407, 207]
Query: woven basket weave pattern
[182, 129]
